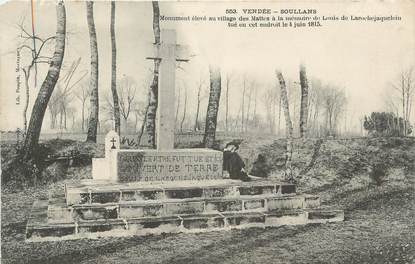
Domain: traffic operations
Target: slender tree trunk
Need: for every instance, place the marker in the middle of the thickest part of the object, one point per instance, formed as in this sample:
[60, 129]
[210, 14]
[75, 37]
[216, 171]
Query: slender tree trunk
[255, 101]
[279, 115]
[52, 118]
[126, 125]
[26, 105]
[117, 117]
[41, 103]
[273, 114]
[196, 125]
[64, 118]
[227, 103]
[304, 101]
[249, 110]
[315, 120]
[140, 135]
[213, 107]
[176, 116]
[83, 116]
[331, 124]
[60, 119]
[93, 116]
[243, 106]
[34, 41]
[153, 99]
[403, 105]
[184, 109]
[289, 127]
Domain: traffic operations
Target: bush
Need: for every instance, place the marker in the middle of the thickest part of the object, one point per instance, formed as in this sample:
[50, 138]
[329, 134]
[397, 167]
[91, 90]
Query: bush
[386, 124]
[378, 173]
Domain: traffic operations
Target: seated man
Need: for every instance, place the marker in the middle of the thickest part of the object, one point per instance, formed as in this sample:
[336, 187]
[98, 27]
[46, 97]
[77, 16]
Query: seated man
[232, 162]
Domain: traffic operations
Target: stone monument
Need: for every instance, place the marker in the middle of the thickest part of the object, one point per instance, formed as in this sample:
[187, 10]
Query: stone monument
[139, 192]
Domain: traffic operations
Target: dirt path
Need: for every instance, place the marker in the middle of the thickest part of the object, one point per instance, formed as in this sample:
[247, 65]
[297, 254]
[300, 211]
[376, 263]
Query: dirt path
[379, 228]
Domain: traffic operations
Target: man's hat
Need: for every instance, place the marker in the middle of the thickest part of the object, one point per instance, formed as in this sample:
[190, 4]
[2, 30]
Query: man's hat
[235, 142]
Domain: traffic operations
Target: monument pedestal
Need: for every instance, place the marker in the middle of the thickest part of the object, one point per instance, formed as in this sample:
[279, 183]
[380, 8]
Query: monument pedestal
[94, 209]
[139, 192]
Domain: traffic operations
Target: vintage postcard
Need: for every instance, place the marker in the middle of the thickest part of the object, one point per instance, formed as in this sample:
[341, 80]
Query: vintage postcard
[207, 131]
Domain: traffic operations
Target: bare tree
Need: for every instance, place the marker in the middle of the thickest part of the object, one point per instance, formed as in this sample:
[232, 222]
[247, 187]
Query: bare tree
[228, 81]
[94, 99]
[83, 94]
[62, 95]
[304, 101]
[289, 127]
[405, 88]
[243, 103]
[140, 134]
[139, 110]
[272, 100]
[255, 117]
[251, 87]
[117, 119]
[37, 57]
[315, 106]
[127, 88]
[199, 99]
[334, 102]
[39, 108]
[213, 106]
[184, 109]
[153, 98]
[176, 116]
[269, 100]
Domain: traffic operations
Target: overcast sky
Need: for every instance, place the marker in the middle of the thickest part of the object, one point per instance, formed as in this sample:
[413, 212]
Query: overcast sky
[363, 58]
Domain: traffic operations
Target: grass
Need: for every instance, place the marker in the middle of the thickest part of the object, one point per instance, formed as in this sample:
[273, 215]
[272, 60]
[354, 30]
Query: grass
[379, 225]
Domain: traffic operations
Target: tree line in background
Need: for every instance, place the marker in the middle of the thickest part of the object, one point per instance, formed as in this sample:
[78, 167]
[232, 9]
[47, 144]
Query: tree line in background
[309, 107]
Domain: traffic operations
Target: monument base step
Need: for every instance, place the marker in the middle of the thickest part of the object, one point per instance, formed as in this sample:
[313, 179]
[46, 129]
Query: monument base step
[59, 212]
[40, 229]
[102, 192]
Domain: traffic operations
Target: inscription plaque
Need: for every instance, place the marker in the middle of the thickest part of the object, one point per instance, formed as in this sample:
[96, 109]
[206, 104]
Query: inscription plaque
[169, 165]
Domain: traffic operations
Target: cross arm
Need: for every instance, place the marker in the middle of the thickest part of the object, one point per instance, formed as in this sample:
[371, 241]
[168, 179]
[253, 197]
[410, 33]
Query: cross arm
[159, 52]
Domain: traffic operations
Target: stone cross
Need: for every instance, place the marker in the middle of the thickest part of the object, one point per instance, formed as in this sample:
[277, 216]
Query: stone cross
[168, 52]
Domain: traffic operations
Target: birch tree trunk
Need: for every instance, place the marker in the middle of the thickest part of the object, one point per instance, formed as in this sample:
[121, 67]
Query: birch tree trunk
[94, 111]
[213, 107]
[117, 117]
[153, 99]
[288, 125]
[304, 101]
[41, 103]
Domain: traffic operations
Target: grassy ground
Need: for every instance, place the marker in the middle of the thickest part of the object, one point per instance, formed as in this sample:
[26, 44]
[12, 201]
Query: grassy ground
[379, 225]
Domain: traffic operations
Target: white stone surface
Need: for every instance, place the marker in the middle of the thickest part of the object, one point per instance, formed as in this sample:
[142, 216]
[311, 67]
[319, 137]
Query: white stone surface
[112, 142]
[100, 169]
[169, 52]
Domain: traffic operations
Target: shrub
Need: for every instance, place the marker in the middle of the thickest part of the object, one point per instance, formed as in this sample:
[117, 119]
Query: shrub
[386, 124]
[378, 173]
